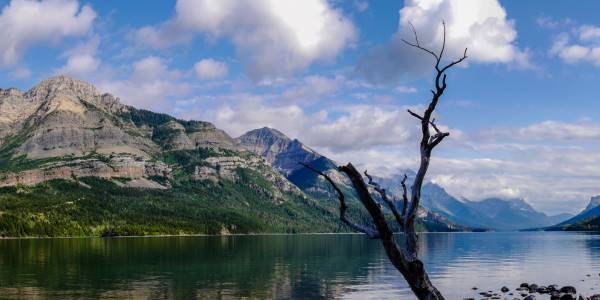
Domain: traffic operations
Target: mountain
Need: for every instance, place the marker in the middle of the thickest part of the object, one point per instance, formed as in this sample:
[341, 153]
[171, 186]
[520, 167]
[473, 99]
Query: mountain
[77, 162]
[592, 210]
[590, 224]
[554, 219]
[438, 200]
[74, 161]
[493, 213]
[594, 202]
[286, 155]
[511, 214]
[282, 152]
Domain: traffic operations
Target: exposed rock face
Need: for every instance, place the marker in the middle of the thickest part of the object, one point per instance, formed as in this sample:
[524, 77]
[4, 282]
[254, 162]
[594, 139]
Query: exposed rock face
[206, 135]
[281, 151]
[178, 139]
[62, 116]
[594, 202]
[66, 118]
[591, 211]
[123, 166]
[225, 167]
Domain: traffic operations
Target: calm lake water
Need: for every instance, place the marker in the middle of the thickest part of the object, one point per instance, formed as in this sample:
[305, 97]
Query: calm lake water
[288, 266]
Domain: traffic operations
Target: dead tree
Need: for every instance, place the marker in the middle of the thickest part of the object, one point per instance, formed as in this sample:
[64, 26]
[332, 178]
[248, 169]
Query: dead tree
[404, 257]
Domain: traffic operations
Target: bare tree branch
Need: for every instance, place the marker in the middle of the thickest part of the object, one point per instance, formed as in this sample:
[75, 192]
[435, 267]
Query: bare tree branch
[416, 43]
[367, 201]
[404, 196]
[390, 202]
[370, 232]
[414, 114]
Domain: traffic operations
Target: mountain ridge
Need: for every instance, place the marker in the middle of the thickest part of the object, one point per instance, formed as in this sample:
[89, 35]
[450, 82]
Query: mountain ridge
[76, 162]
[592, 210]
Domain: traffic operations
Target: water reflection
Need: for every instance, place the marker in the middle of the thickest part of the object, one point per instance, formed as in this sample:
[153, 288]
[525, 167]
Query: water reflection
[284, 267]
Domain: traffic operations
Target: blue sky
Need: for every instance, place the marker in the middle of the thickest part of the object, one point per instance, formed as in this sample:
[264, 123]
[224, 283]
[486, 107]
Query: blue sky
[523, 111]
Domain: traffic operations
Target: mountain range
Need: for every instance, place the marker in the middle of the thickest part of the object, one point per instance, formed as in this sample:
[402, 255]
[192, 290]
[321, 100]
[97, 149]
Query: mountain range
[493, 213]
[74, 161]
[589, 215]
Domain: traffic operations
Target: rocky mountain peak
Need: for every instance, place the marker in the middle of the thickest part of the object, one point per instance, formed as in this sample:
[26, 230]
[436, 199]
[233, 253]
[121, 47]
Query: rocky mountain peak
[62, 85]
[10, 92]
[278, 149]
[267, 132]
[594, 202]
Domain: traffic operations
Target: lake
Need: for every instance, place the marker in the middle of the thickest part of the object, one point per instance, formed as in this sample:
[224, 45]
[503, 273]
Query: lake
[340, 266]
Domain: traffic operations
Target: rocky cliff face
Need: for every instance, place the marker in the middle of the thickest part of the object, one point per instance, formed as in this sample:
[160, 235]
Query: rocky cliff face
[65, 128]
[287, 154]
[282, 152]
[594, 202]
[116, 167]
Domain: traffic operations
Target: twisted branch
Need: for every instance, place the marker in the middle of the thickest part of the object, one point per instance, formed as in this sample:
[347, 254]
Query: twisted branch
[370, 232]
[390, 203]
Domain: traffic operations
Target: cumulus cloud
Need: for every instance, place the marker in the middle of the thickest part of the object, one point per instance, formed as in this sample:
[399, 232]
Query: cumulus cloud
[26, 23]
[238, 113]
[272, 37]
[363, 127]
[151, 85]
[544, 131]
[580, 45]
[81, 60]
[480, 25]
[209, 69]
[312, 88]
[547, 177]
[343, 129]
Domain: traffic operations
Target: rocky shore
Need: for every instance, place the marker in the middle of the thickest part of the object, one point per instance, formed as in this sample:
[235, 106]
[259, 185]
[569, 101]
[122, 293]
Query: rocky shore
[533, 291]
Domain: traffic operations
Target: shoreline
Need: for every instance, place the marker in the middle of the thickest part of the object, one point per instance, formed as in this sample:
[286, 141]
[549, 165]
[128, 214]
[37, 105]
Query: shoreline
[267, 234]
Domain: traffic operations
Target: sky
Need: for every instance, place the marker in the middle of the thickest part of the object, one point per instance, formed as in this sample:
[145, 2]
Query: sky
[523, 112]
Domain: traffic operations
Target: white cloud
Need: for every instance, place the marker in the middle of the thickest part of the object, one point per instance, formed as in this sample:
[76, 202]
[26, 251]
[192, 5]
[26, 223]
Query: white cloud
[589, 33]
[26, 23]
[363, 127]
[81, 60]
[272, 37]
[547, 22]
[581, 45]
[151, 85]
[480, 25]
[22, 73]
[361, 5]
[208, 69]
[312, 88]
[405, 89]
[548, 131]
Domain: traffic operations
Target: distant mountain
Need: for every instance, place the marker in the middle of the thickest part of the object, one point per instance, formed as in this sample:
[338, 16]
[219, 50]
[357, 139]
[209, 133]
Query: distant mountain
[438, 200]
[286, 154]
[511, 214]
[591, 224]
[493, 213]
[555, 219]
[594, 202]
[592, 210]
[282, 152]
